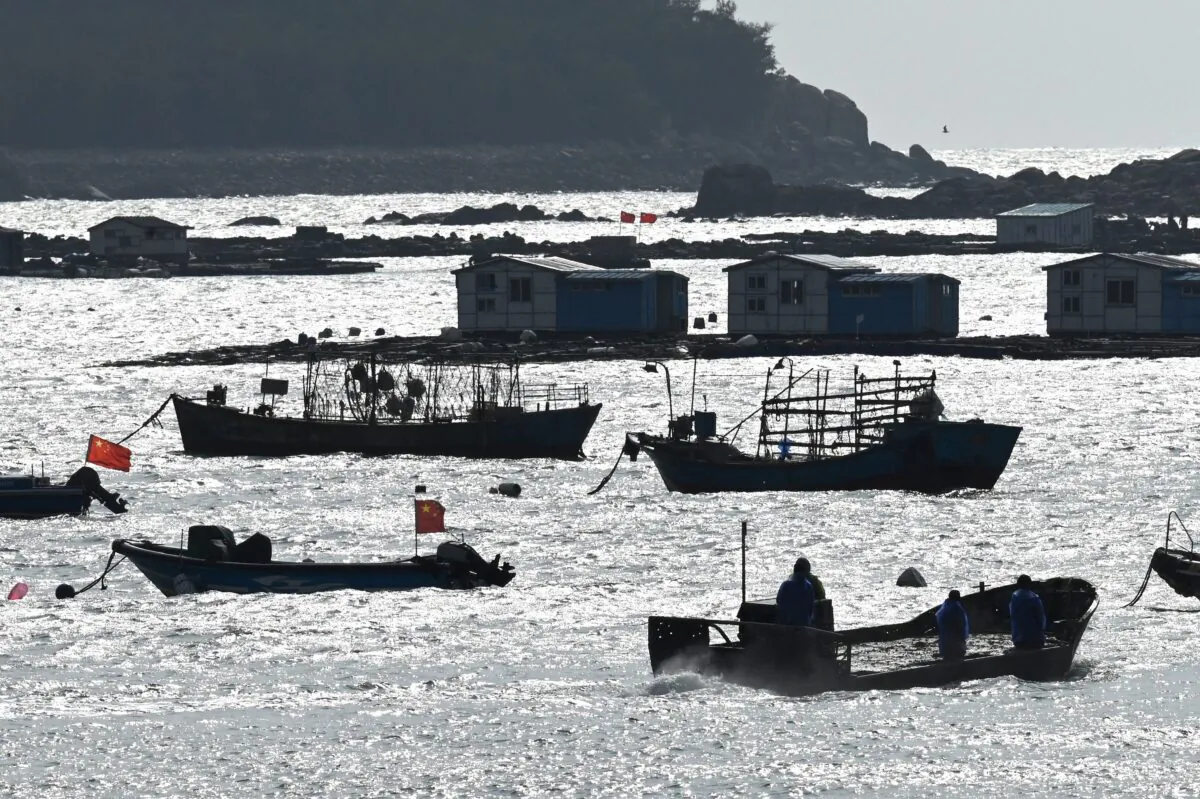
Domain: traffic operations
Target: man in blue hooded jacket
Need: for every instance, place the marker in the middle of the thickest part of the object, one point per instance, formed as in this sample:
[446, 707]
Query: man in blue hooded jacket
[795, 600]
[1028, 616]
[954, 628]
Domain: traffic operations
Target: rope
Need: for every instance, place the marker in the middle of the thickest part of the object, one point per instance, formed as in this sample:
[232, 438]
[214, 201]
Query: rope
[153, 418]
[1142, 590]
[1166, 545]
[612, 471]
[108, 568]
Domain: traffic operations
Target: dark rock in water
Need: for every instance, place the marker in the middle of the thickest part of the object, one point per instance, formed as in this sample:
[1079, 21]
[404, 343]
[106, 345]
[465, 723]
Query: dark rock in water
[574, 215]
[911, 578]
[390, 218]
[735, 189]
[262, 221]
[985, 318]
[509, 489]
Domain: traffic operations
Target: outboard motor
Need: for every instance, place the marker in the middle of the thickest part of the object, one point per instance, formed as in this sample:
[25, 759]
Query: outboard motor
[85, 477]
[465, 558]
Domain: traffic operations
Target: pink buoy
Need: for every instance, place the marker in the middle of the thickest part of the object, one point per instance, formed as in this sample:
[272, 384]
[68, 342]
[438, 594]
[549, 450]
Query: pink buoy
[19, 591]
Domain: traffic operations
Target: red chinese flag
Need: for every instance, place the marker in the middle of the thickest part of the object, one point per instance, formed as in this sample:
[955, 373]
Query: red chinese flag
[431, 516]
[107, 454]
[627, 216]
[647, 218]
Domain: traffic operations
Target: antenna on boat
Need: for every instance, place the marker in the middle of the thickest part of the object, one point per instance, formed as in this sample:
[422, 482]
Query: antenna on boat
[743, 561]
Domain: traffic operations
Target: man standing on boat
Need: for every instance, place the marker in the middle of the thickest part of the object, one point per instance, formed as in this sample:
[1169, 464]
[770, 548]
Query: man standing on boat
[954, 628]
[1028, 616]
[796, 597]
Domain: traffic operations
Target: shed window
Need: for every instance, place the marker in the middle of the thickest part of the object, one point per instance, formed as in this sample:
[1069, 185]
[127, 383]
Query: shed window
[860, 291]
[791, 292]
[756, 282]
[1071, 277]
[1120, 292]
[756, 305]
[1070, 304]
[1190, 291]
[520, 289]
[486, 306]
[485, 281]
[947, 290]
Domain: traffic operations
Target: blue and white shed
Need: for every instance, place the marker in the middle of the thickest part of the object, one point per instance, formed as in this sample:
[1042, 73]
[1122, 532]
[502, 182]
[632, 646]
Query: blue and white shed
[1059, 224]
[896, 304]
[623, 301]
[785, 293]
[512, 292]
[1121, 293]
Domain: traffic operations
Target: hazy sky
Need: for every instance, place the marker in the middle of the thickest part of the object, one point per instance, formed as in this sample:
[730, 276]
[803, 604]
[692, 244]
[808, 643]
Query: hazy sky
[1001, 73]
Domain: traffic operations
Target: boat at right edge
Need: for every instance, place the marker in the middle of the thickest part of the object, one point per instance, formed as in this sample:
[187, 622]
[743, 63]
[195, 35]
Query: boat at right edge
[881, 433]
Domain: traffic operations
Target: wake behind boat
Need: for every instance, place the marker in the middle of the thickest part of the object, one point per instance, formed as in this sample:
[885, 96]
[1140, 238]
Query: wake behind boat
[212, 561]
[753, 650]
[471, 411]
[881, 433]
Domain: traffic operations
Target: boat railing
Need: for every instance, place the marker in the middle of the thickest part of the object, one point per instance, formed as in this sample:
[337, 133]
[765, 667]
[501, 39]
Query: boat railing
[827, 645]
[547, 396]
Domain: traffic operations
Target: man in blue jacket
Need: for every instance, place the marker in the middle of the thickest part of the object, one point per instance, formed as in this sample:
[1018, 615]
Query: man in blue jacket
[1028, 616]
[954, 628]
[795, 599]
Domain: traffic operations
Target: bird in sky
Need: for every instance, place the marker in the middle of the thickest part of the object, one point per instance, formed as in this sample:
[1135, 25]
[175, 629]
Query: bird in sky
[945, 129]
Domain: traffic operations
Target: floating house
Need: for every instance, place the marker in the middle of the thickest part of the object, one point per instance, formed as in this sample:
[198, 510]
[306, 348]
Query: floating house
[508, 293]
[1122, 293]
[127, 238]
[12, 251]
[780, 294]
[896, 304]
[1056, 224]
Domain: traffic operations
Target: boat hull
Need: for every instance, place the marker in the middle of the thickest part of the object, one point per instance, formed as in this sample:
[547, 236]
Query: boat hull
[221, 430]
[174, 573]
[43, 502]
[803, 660]
[930, 457]
[1179, 569]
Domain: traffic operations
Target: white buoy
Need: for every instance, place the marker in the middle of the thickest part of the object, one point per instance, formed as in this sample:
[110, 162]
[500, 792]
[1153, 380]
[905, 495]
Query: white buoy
[748, 340]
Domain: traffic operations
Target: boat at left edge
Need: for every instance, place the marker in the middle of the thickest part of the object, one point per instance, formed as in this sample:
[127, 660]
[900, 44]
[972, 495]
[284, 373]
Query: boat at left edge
[213, 561]
[33, 497]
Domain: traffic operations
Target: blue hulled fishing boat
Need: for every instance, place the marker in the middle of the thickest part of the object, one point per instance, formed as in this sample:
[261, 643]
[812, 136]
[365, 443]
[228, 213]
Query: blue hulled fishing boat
[882, 433]
[32, 497]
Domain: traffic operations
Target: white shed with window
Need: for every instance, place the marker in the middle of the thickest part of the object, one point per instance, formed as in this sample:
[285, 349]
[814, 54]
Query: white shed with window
[1057, 224]
[785, 293]
[132, 237]
[1110, 293]
[512, 292]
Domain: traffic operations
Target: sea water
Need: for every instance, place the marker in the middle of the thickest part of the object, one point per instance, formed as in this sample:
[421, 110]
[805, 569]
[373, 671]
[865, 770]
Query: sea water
[544, 687]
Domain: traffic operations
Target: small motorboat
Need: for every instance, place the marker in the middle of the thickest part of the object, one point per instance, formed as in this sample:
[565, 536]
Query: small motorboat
[1178, 568]
[32, 497]
[807, 660]
[212, 561]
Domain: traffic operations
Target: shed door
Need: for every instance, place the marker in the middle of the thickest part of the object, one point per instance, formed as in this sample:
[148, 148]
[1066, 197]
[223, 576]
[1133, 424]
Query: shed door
[664, 303]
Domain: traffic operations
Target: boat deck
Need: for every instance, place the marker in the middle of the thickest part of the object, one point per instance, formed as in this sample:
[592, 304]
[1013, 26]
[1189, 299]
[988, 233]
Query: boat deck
[879, 656]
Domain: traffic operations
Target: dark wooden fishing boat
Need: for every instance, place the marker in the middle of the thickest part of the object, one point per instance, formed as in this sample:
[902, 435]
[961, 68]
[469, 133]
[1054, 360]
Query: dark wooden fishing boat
[1178, 568]
[213, 562]
[32, 497]
[752, 650]
[884, 433]
[471, 411]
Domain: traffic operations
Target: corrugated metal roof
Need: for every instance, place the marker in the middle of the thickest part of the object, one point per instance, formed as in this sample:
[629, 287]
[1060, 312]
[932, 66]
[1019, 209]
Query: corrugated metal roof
[142, 222]
[1143, 258]
[831, 262]
[894, 277]
[549, 262]
[621, 274]
[1046, 209]
[1186, 277]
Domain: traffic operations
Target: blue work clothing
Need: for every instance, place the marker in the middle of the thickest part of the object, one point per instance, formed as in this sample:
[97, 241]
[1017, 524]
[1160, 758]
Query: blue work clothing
[1028, 619]
[954, 628]
[794, 601]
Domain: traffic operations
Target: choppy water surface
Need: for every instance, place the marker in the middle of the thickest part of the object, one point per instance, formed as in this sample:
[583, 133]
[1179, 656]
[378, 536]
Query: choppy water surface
[544, 687]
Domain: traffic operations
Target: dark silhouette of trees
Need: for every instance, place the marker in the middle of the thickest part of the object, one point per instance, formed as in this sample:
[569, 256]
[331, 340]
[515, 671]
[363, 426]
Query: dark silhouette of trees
[196, 73]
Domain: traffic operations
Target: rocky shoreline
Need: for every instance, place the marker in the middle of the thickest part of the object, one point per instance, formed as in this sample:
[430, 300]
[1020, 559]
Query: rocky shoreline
[559, 349]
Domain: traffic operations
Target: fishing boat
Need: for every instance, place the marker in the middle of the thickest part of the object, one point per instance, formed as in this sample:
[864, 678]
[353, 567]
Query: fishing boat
[752, 650]
[471, 411]
[1178, 567]
[212, 561]
[877, 433]
[33, 497]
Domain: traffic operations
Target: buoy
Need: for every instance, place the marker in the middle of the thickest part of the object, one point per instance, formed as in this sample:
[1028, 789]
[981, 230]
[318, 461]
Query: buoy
[326, 333]
[64, 591]
[420, 489]
[354, 331]
[302, 339]
[510, 489]
[910, 578]
[747, 340]
[19, 591]
[698, 323]
[987, 317]
[379, 331]
[712, 317]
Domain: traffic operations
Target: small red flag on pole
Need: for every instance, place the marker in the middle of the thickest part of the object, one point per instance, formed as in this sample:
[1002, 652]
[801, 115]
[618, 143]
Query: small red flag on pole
[431, 516]
[647, 218]
[627, 216]
[107, 454]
